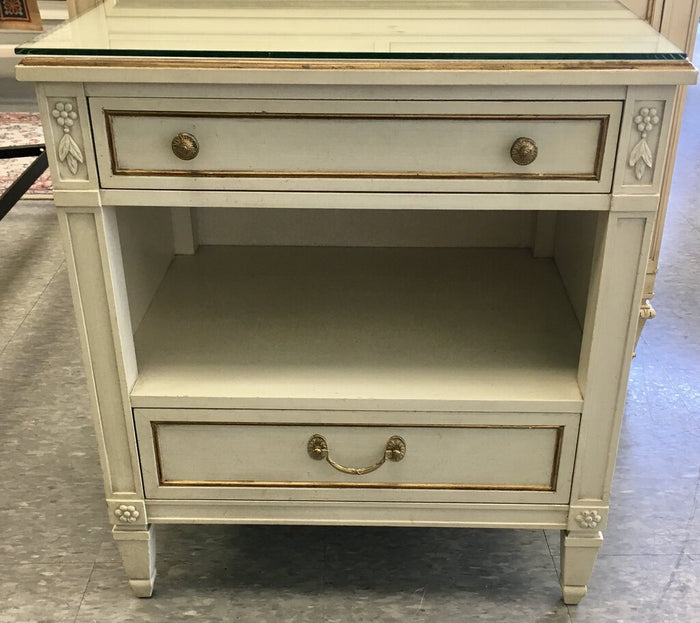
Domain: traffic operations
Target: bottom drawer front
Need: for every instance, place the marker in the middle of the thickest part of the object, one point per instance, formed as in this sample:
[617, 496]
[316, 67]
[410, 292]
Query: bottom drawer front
[513, 457]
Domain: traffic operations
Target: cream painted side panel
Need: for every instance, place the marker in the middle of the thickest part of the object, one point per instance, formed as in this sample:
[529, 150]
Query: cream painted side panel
[146, 243]
[620, 259]
[679, 23]
[99, 294]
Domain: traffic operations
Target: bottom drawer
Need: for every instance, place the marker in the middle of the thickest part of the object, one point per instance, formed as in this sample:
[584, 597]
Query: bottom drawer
[223, 454]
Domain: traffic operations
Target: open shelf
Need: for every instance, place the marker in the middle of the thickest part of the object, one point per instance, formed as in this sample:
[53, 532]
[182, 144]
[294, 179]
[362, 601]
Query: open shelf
[339, 327]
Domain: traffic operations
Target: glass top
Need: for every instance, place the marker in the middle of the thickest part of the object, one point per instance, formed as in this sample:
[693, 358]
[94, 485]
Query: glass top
[359, 29]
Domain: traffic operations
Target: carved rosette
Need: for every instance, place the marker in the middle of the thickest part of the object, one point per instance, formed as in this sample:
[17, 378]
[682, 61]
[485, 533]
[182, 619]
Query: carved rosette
[69, 152]
[127, 513]
[589, 519]
[641, 156]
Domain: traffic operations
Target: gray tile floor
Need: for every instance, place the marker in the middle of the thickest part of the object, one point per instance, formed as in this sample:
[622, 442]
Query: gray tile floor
[57, 561]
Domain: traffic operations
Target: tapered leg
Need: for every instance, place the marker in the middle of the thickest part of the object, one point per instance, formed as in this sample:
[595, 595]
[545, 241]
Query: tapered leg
[138, 552]
[578, 554]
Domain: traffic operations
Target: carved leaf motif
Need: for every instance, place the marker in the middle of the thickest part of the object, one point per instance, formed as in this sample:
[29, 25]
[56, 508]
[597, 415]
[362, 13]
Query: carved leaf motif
[74, 150]
[639, 169]
[641, 158]
[636, 153]
[69, 152]
[64, 147]
[72, 163]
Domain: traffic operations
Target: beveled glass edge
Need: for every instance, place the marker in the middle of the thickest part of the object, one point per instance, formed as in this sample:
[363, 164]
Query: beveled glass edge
[300, 55]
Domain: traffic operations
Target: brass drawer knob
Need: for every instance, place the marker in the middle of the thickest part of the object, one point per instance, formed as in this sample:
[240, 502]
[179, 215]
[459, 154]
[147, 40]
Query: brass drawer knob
[523, 151]
[185, 146]
[395, 450]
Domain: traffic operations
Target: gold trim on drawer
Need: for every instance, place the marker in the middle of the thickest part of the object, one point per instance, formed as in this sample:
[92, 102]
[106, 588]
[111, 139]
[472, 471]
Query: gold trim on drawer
[551, 486]
[603, 119]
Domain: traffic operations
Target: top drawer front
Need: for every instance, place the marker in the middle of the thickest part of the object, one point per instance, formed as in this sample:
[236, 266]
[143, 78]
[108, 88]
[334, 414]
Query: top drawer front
[356, 146]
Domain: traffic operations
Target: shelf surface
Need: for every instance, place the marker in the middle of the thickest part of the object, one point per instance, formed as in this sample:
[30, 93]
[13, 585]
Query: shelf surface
[330, 327]
[361, 29]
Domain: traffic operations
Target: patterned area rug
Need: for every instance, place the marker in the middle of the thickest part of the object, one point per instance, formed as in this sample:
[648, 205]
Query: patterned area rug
[20, 15]
[22, 128]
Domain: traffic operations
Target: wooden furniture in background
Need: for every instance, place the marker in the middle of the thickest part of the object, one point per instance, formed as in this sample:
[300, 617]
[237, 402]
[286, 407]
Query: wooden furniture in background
[677, 20]
[77, 7]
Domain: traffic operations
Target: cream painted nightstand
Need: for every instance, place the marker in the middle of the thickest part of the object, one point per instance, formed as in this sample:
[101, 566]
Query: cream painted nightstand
[382, 267]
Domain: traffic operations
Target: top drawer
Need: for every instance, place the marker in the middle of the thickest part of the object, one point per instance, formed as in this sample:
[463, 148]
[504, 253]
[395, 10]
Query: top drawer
[391, 146]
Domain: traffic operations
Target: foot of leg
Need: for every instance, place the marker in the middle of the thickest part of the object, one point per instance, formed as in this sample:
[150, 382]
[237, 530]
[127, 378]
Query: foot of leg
[571, 595]
[578, 554]
[138, 552]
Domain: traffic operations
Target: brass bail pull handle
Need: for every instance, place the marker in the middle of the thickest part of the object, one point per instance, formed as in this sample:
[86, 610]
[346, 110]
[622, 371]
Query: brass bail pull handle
[394, 450]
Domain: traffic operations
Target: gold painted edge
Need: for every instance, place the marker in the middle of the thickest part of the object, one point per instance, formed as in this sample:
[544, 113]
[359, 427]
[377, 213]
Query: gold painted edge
[354, 175]
[595, 176]
[351, 115]
[156, 450]
[109, 128]
[351, 485]
[551, 487]
[559, 445]
[600, 149]
[683, 65]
